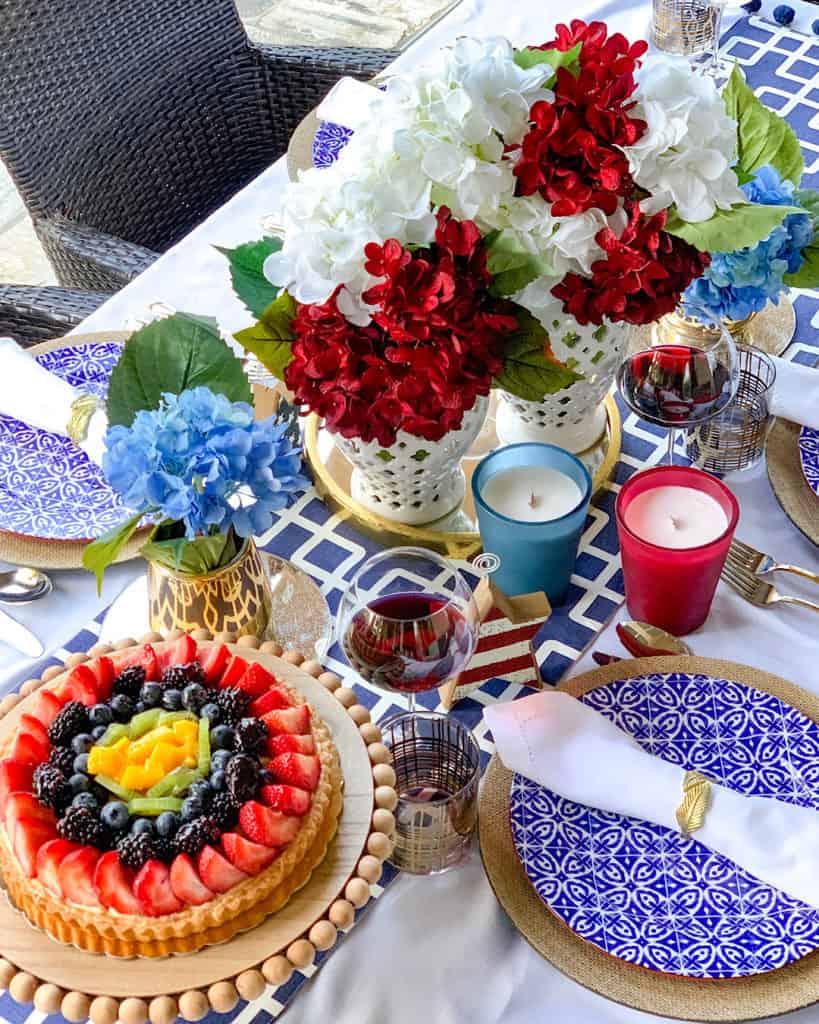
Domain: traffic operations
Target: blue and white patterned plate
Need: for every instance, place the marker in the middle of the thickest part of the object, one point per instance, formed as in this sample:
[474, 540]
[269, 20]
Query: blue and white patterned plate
[328, 142]
[809, 457]
[646, 894]
[49, 488]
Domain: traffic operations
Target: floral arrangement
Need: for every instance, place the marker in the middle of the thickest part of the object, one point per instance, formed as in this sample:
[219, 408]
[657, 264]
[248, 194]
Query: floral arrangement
[490, 197]
[193, 462]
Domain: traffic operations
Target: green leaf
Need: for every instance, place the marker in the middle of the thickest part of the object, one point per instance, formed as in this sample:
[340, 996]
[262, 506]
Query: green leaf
[182, 351]
[103, 551]
[270, 337]
[808, 199]
[763, 137]
[530, 371]
[529, 58]
[807, 276]
[512, 265]
[730, 230]
[246, 273]
[196, 557]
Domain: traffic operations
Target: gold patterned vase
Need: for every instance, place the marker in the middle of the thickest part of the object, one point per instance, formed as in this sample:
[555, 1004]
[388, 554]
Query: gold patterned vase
[236, 597]
[676, 328]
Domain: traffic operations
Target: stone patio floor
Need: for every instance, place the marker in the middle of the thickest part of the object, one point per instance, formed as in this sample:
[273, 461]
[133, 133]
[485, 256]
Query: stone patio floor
[386, 24]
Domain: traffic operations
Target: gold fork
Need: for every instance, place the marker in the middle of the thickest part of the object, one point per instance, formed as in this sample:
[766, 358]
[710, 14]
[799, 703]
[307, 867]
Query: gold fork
[757, 591]
[744, 556]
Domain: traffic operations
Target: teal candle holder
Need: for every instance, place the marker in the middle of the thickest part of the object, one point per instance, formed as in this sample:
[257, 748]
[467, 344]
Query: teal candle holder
[533, 555]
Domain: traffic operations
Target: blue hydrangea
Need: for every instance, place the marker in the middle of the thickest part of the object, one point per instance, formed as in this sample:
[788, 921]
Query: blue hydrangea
[737, 284]
[204, 461]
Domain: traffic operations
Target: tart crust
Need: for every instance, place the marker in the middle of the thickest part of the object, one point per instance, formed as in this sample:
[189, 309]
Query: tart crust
[242, 907]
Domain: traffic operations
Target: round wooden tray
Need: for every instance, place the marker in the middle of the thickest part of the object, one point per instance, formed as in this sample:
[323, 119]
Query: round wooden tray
[78, 984]
[456, 535]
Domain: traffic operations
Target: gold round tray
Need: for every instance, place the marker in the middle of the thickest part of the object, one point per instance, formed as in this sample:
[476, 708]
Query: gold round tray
[455, 535]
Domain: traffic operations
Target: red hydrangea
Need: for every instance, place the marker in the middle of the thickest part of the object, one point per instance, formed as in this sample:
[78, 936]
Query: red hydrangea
[642, 277]
[434, 345]
[571, 154]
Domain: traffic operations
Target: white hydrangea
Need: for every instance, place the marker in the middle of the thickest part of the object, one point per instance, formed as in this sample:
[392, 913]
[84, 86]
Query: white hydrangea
[686, 154]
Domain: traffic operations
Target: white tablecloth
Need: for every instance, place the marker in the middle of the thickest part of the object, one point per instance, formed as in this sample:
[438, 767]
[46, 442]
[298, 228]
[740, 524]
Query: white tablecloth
[440, 950]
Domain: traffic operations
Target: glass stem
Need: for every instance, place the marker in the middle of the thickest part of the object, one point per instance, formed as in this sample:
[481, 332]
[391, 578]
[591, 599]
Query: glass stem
[411, 703]
[672, 436]
[715, 49]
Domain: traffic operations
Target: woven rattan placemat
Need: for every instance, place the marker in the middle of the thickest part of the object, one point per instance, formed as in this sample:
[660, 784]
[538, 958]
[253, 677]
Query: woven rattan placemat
[763, 995]
[788, 481]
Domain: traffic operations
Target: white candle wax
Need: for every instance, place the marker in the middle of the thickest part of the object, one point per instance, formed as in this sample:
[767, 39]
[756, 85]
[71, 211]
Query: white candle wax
[531, 494]
[676, 517]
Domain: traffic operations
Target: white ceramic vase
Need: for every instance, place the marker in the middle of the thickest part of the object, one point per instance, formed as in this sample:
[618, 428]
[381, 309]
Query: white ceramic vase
[574, 417]
[413, 481]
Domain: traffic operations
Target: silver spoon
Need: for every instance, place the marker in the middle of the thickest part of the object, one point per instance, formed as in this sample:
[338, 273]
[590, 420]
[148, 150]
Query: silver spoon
[20, 586]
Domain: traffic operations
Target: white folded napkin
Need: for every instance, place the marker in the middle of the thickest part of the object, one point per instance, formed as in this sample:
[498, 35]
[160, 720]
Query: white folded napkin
[348, 103]
[796, 393]
[33, 395]
[570, 748]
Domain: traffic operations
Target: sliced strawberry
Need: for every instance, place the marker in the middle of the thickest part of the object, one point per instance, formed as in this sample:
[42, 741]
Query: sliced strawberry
[234, 672]
[293, 720]
[286, 743]
[246, 856]
[49, 857]
[15, 777]
[114, 884]
[35, 728]
[216, 872]
[186, 884]
[152, 887]
[76, 877]
[273, 700]
[27, 748]
[46, 707]
[270, 828]
[24, 805]
[214, 661]
[104, 674]
[29, 835]
[81, 685]
[286, 799]
[300, 770]
[256, 680]
[144, 656]
[181, 652]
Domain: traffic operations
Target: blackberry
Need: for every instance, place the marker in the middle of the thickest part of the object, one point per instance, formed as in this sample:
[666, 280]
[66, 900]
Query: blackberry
[134, 850]
[81, 825]
[194, 673]
[129, 682]
[224, 810]
[72, 720]
[174, 678]
[49, 786]
[251, 735]
[164, 849]
[192, 837]
[62, 758]
[241, 778]
[233, 703]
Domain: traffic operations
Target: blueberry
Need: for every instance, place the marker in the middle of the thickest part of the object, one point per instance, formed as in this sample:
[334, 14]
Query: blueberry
[81, 764]
[123, 707]
[82, 743]
[139, 707]
[222, 737]
[784, 14]
[100, 792]
[115, 816]
[140, 825]
[194, 697]
[814, 27]
[172, 700]
[167, 824]
[85, 800]
[79, 783]
[212, 712]
[220, 758]
[151, 695]
[217, 780]
[202, 791]
[192, 809]
[266, 778]
[100, 714]
[98, 731]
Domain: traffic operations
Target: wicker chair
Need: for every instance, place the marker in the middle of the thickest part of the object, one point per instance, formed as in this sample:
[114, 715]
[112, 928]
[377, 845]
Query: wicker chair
[125, 124]
[30, 315]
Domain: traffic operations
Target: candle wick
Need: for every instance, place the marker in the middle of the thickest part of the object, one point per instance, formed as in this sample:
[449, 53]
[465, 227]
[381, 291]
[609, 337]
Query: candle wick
[534, 501]
[674, 522]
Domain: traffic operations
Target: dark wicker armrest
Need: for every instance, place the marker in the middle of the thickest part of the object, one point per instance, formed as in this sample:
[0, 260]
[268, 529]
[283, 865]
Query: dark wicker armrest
[86, 258]
[299, 77]
[37, 314]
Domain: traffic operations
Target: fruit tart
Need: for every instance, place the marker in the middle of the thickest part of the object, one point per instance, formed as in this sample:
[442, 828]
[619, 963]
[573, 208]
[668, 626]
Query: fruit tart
[163, 798]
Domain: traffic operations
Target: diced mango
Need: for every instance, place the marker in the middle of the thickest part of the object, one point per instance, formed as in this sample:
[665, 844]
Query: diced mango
[186, 730]
[140, 751]
[106, 761]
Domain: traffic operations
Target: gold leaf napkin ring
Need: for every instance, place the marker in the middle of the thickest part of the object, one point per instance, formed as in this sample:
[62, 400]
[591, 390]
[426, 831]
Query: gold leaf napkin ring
[82, 409]
[695, 802]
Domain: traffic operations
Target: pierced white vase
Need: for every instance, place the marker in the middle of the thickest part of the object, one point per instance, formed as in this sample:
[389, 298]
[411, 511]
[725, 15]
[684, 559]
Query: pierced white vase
[413, 481]
[574, 417]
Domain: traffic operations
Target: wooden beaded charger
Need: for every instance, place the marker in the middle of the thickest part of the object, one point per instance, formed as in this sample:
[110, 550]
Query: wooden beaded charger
[59, 978]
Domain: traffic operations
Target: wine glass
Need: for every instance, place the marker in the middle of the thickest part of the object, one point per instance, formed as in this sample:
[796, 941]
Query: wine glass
[683, 380]
[715, 66]
[407, 621]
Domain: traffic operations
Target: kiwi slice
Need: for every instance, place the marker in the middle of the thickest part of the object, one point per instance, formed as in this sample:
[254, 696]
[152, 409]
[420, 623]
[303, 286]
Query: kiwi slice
[114, 787]
[153, 806]
[144, 722]
[114, 732]
[169, 717]
[204, 746]
[175, 783]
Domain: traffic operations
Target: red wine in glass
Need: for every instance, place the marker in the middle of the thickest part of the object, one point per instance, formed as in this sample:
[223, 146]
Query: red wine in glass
[408, 642]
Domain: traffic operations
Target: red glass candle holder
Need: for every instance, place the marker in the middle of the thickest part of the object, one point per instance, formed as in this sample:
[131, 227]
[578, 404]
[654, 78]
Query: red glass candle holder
[672, 587]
